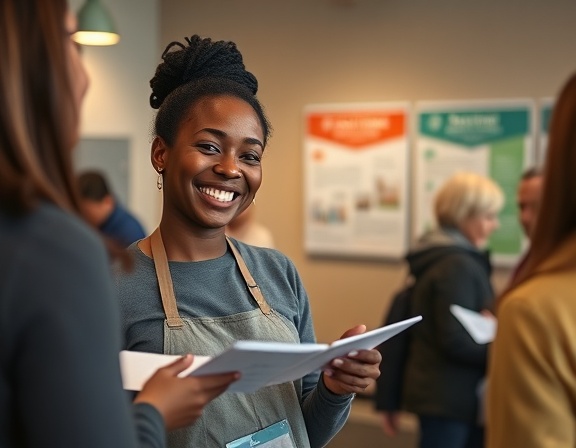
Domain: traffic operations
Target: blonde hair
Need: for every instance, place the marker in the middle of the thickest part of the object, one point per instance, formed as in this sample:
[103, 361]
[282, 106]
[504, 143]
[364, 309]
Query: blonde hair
[465, 195]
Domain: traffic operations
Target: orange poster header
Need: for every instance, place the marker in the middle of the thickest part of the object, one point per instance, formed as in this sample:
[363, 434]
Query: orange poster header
[357, 129]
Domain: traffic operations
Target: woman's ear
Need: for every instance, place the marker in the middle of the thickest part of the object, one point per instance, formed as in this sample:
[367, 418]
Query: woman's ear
[158, 154]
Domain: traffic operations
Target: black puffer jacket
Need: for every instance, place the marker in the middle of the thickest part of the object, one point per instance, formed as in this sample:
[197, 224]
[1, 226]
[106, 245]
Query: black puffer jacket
[444, 364]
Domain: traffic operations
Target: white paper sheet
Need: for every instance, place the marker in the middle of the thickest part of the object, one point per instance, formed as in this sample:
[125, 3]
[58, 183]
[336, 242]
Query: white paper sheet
[138, 367]
[481, 328]
[259, 363]
[341, 347]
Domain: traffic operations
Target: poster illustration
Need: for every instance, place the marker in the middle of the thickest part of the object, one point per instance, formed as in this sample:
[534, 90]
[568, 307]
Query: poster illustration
[356, 179]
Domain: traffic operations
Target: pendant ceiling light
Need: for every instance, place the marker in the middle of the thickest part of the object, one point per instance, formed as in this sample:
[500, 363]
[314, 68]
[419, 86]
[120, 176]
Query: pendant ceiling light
[95, 25]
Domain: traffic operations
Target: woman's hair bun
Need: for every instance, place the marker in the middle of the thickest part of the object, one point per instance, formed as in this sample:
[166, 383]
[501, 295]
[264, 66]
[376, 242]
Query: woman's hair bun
[199, 58]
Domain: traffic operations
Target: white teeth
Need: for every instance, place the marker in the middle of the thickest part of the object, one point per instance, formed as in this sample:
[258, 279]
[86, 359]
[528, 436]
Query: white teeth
[220, 195]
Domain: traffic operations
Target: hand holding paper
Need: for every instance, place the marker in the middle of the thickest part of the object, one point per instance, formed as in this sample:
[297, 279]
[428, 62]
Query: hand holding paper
[354, 372]
[262, 363]
[180, 401]
[138, 367]
[481, 328]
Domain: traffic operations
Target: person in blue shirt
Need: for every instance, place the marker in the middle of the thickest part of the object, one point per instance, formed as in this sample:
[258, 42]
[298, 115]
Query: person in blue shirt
[103, 210]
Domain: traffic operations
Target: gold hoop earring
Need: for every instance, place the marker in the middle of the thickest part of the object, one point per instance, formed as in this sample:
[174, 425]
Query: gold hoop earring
[254, 201]
[159, 180]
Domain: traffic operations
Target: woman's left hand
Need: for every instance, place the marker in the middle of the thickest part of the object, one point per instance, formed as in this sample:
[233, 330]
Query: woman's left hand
[355, 372]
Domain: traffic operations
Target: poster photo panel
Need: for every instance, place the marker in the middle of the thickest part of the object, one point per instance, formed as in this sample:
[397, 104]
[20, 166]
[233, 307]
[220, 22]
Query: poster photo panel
[356, 169]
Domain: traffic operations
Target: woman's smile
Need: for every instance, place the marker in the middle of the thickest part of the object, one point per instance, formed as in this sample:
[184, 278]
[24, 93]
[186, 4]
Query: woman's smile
[219, 195]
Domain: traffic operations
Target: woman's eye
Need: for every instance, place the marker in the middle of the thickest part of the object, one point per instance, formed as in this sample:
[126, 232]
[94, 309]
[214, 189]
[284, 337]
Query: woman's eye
[207, 147]
[251, 158]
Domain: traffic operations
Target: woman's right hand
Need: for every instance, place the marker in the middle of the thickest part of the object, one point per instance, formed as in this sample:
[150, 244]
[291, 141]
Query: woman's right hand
[181, 400]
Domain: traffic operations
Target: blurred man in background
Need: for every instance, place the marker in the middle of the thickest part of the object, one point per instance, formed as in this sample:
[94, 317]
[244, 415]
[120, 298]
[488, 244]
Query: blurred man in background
[103, 210]
[528, 198]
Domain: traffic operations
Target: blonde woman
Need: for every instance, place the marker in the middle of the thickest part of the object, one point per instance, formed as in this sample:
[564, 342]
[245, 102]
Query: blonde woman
[445, 366]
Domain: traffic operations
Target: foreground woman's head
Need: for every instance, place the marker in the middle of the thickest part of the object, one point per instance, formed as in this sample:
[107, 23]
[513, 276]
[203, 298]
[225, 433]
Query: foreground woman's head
[42, 84]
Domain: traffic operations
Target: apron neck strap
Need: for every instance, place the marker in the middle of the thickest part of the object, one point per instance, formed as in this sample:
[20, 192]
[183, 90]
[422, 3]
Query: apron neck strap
[164, 280]
[250, 282]
[173, 319]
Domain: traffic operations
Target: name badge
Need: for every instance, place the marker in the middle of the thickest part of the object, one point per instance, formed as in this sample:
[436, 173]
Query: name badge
[273, 436]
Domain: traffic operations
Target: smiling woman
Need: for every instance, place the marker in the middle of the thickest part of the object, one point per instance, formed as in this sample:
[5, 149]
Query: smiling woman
[212, 168]
[195, 290]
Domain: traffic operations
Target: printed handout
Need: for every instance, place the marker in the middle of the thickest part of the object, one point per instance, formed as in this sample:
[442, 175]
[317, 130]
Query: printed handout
[260, 363]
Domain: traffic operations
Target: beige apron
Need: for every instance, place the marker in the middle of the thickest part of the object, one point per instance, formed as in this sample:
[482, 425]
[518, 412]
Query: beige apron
[231, 415]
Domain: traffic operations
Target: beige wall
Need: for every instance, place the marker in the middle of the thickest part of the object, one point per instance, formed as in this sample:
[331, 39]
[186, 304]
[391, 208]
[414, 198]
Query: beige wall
[116, 105]
[314, 51]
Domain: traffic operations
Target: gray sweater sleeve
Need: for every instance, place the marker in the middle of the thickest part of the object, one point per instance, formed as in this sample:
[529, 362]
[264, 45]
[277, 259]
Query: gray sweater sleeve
[324, 412]
[149, 426]
[59, 328]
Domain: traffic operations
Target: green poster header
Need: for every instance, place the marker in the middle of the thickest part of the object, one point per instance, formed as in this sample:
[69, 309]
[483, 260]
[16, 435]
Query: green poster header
[475, 127]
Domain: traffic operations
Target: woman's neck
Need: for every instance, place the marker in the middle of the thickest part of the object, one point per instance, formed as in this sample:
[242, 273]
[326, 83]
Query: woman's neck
[184, 243]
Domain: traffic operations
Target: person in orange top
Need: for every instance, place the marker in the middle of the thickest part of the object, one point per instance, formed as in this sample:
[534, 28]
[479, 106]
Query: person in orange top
[531, 399]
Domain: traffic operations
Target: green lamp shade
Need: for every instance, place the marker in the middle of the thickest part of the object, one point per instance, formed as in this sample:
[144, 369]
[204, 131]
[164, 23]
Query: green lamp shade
[95, 25]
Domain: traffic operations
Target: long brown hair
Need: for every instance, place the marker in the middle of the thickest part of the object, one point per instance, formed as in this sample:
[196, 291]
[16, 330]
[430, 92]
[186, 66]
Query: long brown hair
[556, 219]
[38, 114]
[37, 109]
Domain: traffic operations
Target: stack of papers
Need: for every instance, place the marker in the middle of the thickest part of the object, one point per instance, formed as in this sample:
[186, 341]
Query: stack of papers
[259, 363]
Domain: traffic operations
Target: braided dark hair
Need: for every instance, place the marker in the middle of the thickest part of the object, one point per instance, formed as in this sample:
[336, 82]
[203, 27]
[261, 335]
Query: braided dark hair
[190, 72]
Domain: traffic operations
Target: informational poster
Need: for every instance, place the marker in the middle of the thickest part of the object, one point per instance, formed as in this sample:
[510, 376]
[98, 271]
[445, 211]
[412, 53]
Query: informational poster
[356, 179]
[491, 138]
[545, 113]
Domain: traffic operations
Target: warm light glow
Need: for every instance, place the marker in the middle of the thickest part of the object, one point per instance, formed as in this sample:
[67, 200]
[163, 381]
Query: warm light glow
[96, 38]
[95, 25]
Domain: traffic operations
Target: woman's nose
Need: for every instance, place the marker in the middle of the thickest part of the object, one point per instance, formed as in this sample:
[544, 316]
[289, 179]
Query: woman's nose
[227, 166]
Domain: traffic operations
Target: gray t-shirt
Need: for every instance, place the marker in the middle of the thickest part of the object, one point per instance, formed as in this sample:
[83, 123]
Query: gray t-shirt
[215, 288]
